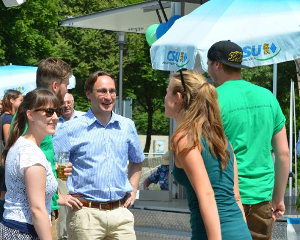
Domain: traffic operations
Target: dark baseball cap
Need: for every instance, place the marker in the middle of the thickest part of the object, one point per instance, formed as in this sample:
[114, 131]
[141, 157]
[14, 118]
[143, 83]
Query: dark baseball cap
[228, 53]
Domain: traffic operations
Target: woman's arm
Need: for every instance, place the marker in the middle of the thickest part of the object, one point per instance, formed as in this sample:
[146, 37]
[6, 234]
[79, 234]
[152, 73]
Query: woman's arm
[6, 128]
[194, 167]
[236, 188]
[35, 181]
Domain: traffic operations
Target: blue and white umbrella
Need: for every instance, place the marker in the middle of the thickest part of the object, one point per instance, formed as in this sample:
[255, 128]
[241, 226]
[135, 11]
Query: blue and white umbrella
[267, 30]
[21, 78]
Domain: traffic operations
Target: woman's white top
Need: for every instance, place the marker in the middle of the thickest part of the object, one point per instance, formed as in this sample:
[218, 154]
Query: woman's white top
[23, 154]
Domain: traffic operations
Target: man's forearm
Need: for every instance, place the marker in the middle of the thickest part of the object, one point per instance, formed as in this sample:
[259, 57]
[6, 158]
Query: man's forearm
[281, 176]
[134, 174]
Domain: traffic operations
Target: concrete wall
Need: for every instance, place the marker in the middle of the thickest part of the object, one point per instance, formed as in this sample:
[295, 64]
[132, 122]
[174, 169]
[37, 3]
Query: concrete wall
[155, 138]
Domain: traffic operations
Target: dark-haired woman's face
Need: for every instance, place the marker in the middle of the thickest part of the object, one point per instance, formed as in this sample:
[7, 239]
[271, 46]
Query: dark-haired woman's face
[43, 122]
[16, 102]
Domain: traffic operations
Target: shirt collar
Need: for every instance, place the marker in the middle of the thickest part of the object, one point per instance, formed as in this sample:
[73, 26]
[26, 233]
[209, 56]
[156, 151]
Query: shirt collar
[115, 118]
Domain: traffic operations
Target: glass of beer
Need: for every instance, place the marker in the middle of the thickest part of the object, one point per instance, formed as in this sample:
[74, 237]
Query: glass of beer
[62, 160]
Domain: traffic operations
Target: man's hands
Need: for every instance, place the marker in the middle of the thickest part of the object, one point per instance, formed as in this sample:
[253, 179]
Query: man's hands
[130, 199]
[278, 210]
[69, 201]
[68, 169]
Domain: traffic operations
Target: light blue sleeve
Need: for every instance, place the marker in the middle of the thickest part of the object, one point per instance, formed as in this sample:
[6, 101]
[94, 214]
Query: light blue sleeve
[135, 153]
[61, 139]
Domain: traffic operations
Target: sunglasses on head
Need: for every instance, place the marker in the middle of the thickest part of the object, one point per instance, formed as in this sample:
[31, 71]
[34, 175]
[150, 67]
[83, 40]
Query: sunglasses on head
[50, 111]
[182, 79]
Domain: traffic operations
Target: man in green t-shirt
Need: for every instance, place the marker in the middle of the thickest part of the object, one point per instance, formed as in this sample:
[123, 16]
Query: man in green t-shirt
[255, 125]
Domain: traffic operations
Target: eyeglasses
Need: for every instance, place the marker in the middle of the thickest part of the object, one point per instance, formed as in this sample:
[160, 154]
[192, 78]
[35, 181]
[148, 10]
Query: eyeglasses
[68, 102]
[104, 91]
[50, 111]
[182, 79]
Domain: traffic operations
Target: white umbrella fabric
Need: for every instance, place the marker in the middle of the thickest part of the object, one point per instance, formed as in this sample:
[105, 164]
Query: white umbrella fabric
[21, 78]
[268, 32]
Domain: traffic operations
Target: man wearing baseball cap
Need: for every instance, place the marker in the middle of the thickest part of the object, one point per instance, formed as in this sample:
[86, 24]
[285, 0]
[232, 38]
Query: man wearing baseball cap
[254, 124]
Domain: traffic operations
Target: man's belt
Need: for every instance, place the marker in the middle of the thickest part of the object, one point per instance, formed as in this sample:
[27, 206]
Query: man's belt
[100, 205]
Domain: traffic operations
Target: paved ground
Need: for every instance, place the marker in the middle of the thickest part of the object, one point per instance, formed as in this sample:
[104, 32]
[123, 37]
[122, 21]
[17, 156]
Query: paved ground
[279, 231]
[156, 212]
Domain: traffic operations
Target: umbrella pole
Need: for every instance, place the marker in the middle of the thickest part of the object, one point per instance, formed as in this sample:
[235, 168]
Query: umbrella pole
[295, 138]
[163, 10]
[158, 16]
[291, 140]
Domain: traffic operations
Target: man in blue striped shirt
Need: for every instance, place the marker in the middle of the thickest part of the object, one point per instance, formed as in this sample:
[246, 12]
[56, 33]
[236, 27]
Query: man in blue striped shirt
[100, 143]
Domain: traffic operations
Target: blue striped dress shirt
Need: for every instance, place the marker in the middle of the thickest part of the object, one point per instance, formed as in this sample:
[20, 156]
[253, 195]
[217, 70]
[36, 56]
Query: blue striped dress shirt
[99, 155]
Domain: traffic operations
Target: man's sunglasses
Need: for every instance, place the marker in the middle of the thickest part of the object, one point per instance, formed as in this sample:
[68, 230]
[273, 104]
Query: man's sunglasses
[50, 111]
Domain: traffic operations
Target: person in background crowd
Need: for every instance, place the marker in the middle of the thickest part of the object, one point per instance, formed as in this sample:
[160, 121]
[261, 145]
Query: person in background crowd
[100, 179]
[1, 107]
[161, 175]
[29, 178]
[69, 112]
[254, 123]
[11, 102]
[204, 160]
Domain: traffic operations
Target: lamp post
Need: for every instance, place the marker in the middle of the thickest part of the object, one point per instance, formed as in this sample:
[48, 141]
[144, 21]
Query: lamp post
[121, 39]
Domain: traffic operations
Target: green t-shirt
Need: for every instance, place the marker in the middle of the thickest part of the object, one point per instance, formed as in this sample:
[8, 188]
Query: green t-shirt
[47, 148]
[251, 115]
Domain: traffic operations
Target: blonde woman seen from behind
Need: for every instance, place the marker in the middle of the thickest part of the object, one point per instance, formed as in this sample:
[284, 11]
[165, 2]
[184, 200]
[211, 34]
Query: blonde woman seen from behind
[204, 161]
[29, 179]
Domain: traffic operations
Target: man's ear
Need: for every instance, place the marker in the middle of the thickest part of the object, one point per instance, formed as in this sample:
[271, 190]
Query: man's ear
[219, 65]
[88, 95]
[54, 87]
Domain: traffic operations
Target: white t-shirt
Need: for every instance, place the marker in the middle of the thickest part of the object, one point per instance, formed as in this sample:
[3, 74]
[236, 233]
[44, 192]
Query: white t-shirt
[24, 153]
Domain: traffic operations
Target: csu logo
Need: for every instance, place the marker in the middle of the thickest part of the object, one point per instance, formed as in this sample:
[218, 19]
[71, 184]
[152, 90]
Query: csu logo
[261, 52]
[179, 58]
[20, 89]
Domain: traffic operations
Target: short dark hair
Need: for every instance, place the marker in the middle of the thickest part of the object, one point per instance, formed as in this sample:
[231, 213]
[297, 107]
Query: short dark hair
[230, 70]
[50, 70]
[90, 82]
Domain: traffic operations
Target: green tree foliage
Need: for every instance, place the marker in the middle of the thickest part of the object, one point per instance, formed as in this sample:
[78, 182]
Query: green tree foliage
[27, 32]
[146, 86]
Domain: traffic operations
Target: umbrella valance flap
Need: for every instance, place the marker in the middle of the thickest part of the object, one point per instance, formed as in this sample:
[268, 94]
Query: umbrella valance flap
[268, 32]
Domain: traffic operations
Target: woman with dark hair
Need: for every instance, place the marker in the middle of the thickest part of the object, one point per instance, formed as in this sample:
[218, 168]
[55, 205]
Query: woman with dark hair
[11, 102]
[204, 161]
[29, 179]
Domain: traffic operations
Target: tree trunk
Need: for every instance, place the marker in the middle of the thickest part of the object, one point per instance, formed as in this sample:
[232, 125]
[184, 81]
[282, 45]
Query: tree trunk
[149, 131]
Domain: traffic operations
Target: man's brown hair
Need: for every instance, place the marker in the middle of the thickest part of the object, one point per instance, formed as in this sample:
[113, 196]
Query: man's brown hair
[230, 70]
[50, 70]
[90, 82]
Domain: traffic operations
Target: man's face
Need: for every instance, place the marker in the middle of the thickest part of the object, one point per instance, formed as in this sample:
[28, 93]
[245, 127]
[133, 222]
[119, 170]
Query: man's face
[62, 90]
[103, 95]
[213, 71]
[68, 106]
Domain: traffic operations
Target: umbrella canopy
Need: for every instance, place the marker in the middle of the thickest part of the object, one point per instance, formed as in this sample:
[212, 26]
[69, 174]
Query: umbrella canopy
[268, 32]
[21, 78]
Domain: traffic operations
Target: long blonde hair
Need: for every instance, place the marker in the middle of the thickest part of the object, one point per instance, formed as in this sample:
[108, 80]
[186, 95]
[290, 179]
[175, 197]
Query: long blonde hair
[200, 116]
